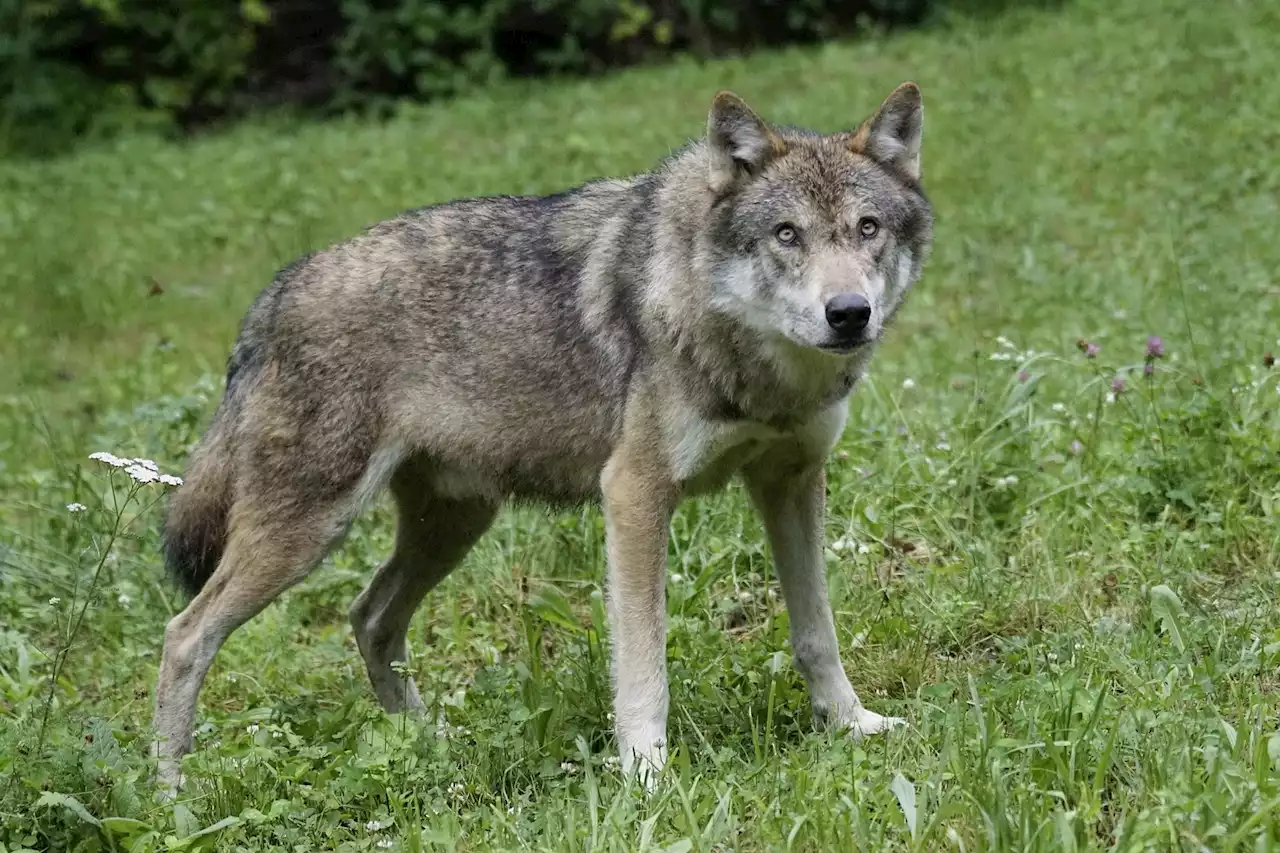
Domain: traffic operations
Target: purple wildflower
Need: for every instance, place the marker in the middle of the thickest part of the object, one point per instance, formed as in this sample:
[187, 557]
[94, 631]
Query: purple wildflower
[1076, 448]
[1091, 349]
[1149, 369]
[1024, 375]
[1155, 347]
[1117, 385]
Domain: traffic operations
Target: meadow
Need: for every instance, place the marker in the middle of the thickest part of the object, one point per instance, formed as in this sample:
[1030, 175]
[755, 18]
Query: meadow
[1054, 520]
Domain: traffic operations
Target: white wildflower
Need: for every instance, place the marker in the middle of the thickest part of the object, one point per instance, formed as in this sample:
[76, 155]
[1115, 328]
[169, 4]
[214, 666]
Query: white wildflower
[141, 470]
[124, 600]
[373, 826]
[385, 843]
[55, 601]
[77, 507]
[231, 676]
[110, 459]
[1111, 397]
[275, 734]
[943, 446]
[1005, 342]
[908, 384]
[1006, 482]
[569, 767]
[1001, 356]
[864, 548]
[745, 597]
[676, 577]
[457, 789]
[952, 482]
[612, 761]
[252, 729]
[141, 474]
[1058, 407]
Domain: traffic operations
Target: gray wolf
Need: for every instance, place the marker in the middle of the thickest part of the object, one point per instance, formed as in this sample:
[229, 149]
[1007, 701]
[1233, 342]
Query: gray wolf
[630, 341]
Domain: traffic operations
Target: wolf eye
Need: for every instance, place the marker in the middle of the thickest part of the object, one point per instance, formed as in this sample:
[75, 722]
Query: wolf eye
[868, 227]
[787, 234]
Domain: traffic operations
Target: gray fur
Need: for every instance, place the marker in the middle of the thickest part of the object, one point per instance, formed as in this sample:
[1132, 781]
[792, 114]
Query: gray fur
[650, 334]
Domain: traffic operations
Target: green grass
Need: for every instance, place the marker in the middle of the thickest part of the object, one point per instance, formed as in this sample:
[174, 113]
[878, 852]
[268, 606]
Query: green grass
[1074, 599]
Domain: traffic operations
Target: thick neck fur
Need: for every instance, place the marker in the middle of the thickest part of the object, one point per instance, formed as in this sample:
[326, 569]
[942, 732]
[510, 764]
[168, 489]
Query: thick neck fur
[736, 370]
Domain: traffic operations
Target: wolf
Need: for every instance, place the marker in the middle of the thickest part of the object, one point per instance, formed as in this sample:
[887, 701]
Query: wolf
[631, 342]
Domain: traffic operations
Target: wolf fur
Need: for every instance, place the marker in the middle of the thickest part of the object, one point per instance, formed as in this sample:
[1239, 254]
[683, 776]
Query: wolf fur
[632, 341]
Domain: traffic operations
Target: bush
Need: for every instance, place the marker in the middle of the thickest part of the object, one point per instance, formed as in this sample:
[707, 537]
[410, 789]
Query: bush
[89, 68]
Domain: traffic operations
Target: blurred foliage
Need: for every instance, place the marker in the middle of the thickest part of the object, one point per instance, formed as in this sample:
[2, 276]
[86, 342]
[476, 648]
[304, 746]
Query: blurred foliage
[77, 69]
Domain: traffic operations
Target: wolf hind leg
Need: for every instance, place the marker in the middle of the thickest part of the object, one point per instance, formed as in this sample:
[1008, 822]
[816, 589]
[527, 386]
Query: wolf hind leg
[433, 534]
[268, 550]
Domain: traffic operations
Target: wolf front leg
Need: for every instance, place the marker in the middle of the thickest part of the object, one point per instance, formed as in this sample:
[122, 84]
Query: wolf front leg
[791, 499]
[638, 500]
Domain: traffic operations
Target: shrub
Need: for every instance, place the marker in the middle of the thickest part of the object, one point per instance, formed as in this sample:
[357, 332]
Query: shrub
[89, 68]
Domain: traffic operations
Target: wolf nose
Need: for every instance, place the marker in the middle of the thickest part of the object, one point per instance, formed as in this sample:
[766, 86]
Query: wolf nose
[848, 313]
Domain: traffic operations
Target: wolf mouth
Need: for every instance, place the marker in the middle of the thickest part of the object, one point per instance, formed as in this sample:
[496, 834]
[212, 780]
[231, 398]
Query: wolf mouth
[844, 348]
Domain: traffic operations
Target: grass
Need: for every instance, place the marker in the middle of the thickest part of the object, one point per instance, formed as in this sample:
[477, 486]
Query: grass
[1070, 592]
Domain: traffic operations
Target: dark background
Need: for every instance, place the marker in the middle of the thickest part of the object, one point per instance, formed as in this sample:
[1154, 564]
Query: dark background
[72, 70]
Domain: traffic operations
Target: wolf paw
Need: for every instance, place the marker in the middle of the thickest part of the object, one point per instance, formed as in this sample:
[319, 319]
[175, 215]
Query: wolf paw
[169, 780]
[645, 761]
[860, 722]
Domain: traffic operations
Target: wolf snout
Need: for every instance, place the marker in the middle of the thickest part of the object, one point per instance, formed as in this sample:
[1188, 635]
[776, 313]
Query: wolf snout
[848, 313]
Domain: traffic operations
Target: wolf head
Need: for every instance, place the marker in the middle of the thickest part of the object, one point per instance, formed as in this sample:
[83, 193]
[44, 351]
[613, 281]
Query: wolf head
[816, 238]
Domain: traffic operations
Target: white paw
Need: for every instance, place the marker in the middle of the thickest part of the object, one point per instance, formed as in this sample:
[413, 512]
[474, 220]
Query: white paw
[860, 722]
[645, 760]
[169, 780]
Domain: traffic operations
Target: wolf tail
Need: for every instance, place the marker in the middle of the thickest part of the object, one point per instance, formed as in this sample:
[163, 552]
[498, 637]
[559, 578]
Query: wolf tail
[195, 527]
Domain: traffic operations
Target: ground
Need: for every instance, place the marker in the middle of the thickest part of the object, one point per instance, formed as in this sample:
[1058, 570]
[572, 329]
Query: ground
[1062, 571]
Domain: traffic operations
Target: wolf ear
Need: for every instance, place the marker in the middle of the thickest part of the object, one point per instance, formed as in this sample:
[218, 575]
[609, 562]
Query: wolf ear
[741, 143]
[892, 135]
